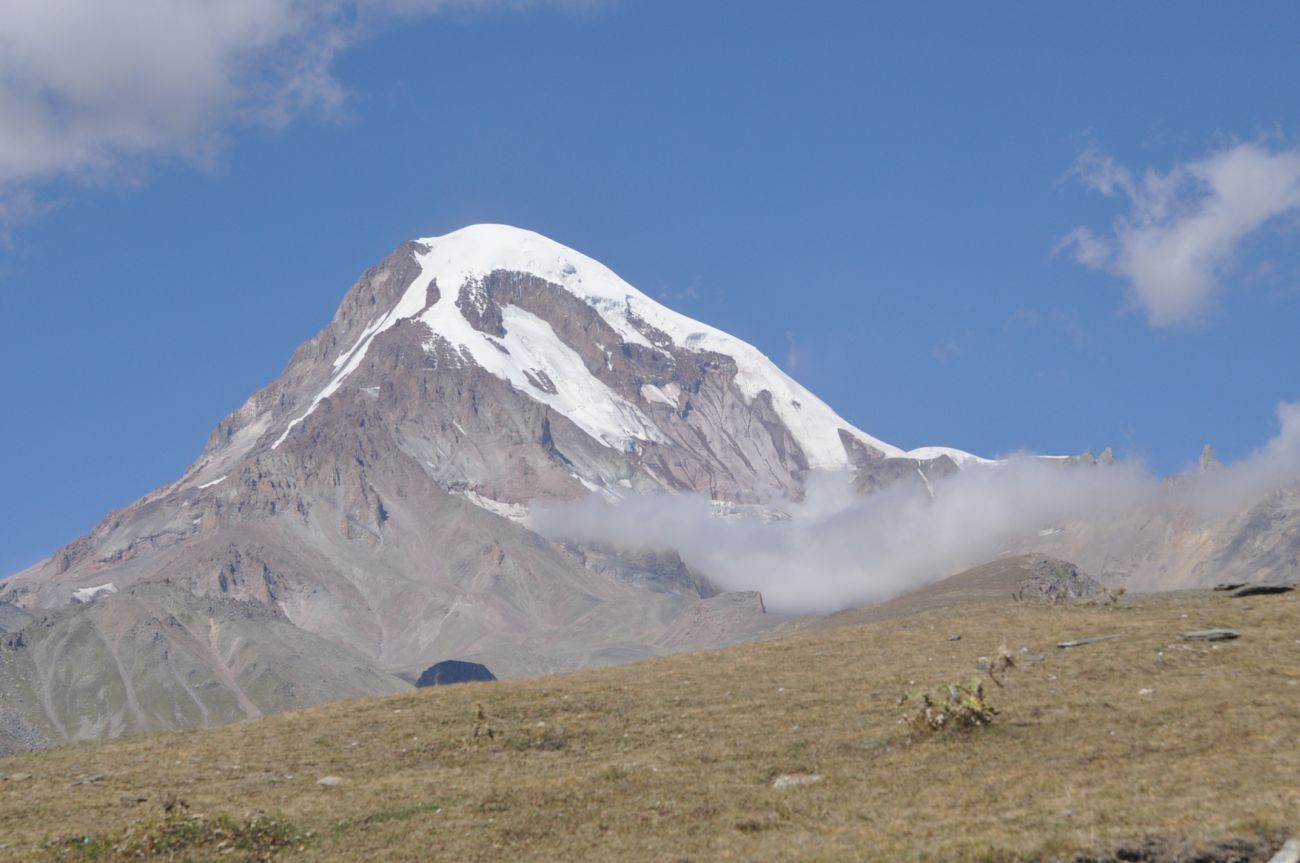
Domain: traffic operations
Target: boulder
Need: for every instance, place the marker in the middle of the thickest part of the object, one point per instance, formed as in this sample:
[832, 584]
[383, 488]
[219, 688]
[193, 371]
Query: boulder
[1212, 635]
[454, 671]
[1261, 589]
[1057, 581]
[1080, 642]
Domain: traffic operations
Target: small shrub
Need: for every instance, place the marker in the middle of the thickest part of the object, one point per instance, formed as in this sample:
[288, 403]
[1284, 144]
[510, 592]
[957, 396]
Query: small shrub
[614, 774]
[956, 707]
[255, 837]
[482, 730]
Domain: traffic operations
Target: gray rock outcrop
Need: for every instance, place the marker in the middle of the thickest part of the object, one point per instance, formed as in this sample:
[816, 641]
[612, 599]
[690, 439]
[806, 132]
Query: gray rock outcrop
[1057, 581]
[12, 618]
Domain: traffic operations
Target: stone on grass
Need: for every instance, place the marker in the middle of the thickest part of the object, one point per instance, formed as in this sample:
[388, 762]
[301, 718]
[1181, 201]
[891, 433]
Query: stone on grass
[1080, 642]
[794, 780]
[1261, 589]
[1288, 853]
[1212, 635]
[328, 781]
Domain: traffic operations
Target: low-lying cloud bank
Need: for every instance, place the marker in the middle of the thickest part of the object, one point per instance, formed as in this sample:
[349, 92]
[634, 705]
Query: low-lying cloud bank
[839, 550]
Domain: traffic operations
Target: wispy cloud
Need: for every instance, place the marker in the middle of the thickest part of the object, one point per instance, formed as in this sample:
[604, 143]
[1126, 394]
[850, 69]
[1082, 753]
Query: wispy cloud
[838, 549]
[1183, 228]
[946, 351]
[93, 89]
[793, 353]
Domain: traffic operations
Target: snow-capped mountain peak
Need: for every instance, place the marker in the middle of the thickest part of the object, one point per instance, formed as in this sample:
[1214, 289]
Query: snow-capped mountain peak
[377, 494]
[529, 345]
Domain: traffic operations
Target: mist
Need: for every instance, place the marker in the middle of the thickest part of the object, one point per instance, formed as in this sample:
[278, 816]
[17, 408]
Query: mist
[838, 549]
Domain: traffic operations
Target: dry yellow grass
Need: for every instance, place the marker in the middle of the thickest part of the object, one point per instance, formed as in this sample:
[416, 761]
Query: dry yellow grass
[674, 759]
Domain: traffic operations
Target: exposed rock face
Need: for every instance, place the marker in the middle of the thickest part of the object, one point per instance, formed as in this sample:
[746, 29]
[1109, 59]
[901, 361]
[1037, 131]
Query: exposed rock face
[1056, 580]
[451, 671]
[375, 496]
[12, 618]
[661, 571]
[890, 472]
[1169, 547]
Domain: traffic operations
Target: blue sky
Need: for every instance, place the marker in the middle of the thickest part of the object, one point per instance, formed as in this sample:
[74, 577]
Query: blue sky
[886, 199]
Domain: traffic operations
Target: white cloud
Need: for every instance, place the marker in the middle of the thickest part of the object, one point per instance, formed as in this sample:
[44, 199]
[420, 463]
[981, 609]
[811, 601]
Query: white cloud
[90, 89]
[1184, 227]
[840, 550]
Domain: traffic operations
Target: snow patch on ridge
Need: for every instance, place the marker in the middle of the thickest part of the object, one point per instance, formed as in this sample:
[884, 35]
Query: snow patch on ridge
[86, 594]
[665, 395]
[513, 511]
[963, 459]
[363, 339]
[533, 346]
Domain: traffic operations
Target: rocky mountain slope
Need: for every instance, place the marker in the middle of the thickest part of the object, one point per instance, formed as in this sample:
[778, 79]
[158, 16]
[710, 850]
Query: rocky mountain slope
[1178, 540]
[374, 495]
[156, 656]
[12, 618]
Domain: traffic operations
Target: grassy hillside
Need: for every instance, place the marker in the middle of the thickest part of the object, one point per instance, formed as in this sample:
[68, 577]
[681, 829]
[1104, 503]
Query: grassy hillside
[1145, 736]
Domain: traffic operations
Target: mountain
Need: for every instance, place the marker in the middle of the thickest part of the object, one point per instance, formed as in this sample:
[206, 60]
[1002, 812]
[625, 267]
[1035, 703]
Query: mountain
[375, 498]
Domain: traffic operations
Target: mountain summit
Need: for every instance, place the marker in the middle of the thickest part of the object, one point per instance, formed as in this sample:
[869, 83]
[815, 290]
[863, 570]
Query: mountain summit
[374, 498]
[564, 330]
